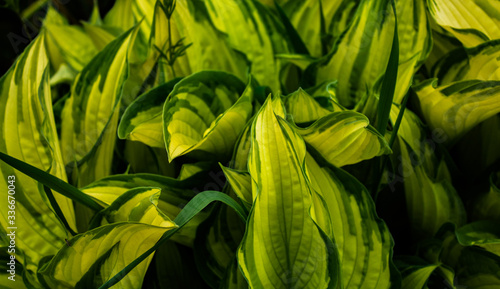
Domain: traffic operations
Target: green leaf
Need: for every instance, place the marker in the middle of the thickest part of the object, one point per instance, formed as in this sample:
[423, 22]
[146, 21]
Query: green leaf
[345, 138]
[28, 135]
[198, 203]
[303, 107]
[121, 243]
[416, 277]
[142, 120]
[485, 207]
[478, 269]
[91, 112]
[241, 184]
[191, 23]
[485, 234]
[363, 240]
[472, 22]
[457, 108]
[300, 254]
[204, 115]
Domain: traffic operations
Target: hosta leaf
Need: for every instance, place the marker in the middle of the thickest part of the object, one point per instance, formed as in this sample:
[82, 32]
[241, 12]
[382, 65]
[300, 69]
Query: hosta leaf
[345, 138]
[247, 22]
[204, 114]
[458, 107]
[135, 205]
[241, 184]
[144, 159]
[486, 206]
[281, 215]
[363, 240]
[485, 234]
[472, 22]
[142, 120]
[70, 43]
[359, 59]
[91, 112]
[478, 269]
[191, 23]
[418, 277]
[100, 36]
[108, 249]
[481, 62]
[28, 133]
[303, 107]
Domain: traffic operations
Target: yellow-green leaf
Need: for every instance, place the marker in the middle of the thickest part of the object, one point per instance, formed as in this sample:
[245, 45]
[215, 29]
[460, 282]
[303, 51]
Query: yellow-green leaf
[205, 114]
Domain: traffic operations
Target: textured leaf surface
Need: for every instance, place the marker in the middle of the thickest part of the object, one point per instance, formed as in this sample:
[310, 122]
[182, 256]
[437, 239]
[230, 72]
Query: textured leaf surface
[205, 113]
[299, 255]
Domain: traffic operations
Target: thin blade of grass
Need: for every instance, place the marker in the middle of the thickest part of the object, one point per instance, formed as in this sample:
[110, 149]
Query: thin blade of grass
[51, 181]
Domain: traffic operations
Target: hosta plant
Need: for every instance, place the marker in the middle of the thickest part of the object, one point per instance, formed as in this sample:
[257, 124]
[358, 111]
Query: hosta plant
[255, 144]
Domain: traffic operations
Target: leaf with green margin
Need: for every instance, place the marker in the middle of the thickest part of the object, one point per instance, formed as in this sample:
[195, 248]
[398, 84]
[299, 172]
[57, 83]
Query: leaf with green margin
[345, 138]
[241, 183]
[142, 120]
[144, 159]
[303, 107]
[478, 269]
[418, 278]
[481, 62]
[71, 263]
[191, 23]
[100, 36]
[136, 205]
[472, 22]
[205, 114]
[70, 43]
[300, 253]
[485, 234]
[91, 113]
[251, 22]
[431, 199]
[239, 160]
[485, 207]
[362, 239]
[28, 133]
[458, 107]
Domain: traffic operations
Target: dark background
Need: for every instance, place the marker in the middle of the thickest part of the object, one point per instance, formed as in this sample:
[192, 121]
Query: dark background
[16, 33]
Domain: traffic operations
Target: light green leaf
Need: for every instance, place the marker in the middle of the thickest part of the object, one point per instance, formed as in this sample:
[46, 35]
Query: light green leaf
[28, 133]
[251, 22]
[191, 23]
[458, 107]
[204, 115]
[142, 120]
[91, 113]
[100, 36]
[363, 241]
[472, 22]
[303, 107]
[345, 138]
[108, 249]
[241, 184]
[300, 254]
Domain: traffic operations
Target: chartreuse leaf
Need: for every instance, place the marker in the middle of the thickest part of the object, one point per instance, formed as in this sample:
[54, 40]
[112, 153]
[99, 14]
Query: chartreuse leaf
[241, 184]
[472, 22]
[431, 199]
[485, 207]
[28, 134]
[91, 112]
[303, 107]
[458, 107]
[136, 205]
[251, 22]
[198, 203]
[283, 247]
[70, 43]
[191, 23]
[142, 120]
[204, 114]
[417, 277]
[363, 241]
[345, 138]
[120, 243]
[481, 62]
[100, 36]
